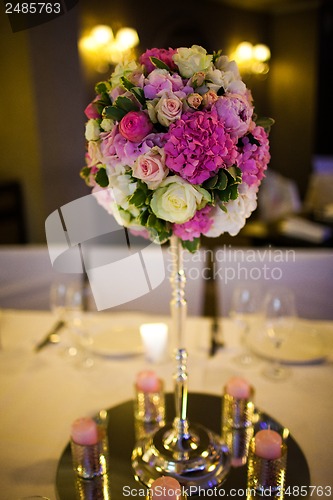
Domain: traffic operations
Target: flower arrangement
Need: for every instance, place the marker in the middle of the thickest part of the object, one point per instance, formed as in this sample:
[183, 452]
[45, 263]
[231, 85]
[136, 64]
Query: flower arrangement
[174, 146]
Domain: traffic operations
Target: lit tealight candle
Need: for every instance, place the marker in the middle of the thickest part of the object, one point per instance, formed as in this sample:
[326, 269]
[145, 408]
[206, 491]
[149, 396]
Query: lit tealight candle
[84, 431]
[238, 388]
[268, 444]
[166, 488]
[155, 341]
[148, 381]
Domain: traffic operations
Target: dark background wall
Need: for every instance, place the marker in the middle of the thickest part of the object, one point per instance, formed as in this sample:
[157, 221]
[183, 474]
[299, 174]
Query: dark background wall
[44, 87]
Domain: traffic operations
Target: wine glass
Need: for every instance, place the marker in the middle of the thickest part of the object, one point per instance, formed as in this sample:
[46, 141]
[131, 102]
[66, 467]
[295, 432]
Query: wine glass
[280, 314]
[78, 323]
[68, 303]
[244, 306]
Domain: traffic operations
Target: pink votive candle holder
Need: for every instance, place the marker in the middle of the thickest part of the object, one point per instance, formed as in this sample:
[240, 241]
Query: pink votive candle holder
[89, 448]
[267, 462]
[149, 402]
[237, 405]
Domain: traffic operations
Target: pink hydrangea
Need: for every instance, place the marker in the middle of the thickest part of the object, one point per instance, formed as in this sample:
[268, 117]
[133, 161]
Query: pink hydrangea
[254, 156]
[198, 146]
[195, 227]
[165, 55]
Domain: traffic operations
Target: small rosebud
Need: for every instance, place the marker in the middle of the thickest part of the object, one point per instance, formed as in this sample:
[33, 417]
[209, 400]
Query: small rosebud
[209, 98]
[194, 100]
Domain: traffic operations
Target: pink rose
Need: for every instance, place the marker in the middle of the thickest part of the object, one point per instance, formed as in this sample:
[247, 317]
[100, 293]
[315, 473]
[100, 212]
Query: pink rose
[91, 110]
[150, 167]
[168, 109]
[165, 55]
[135, 126]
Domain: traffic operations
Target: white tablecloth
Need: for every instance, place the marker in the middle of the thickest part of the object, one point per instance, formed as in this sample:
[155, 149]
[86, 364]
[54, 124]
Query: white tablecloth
[42, 393]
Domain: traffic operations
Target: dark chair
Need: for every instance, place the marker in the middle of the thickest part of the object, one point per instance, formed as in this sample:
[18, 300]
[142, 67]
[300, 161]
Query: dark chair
[12, 220]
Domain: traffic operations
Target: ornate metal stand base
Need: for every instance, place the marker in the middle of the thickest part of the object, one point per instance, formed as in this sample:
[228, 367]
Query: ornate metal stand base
[201, 460]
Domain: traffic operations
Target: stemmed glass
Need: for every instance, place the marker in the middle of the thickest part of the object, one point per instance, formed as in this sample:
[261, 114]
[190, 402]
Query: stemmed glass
[280, 314]
[68, 302]
[244, 306]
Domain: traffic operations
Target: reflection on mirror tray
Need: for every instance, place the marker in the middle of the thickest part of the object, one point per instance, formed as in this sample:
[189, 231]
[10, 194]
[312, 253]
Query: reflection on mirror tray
[120, 481]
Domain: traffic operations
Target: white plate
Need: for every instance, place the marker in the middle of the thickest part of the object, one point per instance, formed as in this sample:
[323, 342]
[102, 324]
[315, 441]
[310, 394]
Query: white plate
[118, 340]
[305, 344]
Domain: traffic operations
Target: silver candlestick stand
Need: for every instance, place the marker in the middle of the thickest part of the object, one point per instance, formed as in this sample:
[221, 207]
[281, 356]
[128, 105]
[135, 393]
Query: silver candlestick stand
[192, 454]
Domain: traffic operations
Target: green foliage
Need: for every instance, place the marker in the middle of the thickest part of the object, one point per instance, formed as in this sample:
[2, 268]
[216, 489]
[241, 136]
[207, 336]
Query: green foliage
[102, 178]
[121, 106]
[225, 183]
[158, 63]
[191, 246]
[265, 122]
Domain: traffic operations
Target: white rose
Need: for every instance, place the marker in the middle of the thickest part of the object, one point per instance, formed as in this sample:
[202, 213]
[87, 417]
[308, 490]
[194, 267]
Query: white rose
[168, 109]
[176, 200]
[107, 124]
[190, 61]
[123, 69]
[231, 78]
[92, 130]
[238, 211]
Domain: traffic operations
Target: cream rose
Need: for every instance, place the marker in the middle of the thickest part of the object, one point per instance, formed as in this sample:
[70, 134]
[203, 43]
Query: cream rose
[92, 130]
[150, 167]
[168, 108]
[191, 61]
[176, 200]
[107, 124]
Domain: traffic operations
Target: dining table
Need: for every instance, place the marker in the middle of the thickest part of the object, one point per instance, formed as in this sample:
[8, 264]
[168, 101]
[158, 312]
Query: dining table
[94, 367]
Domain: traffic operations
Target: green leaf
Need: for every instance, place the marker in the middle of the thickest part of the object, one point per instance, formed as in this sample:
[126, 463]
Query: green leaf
[158, 63]
[235, 173]
[191, 246]
[222, 180]
[85, 172]
[126, 104]
[102, 178]
[139, 95]
[138, 198]
[224, 195]
[126, 83]
[113, 113]
[151, 221]
[234, 192]
[102, 87]
[265, 122]
[211, 182]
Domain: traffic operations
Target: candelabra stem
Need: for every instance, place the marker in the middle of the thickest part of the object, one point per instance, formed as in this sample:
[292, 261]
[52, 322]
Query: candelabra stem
[192, 454]
[178, 307]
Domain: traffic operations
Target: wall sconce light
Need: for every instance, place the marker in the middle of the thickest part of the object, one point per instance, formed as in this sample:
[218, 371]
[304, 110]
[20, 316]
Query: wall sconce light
[252, 59]
[100, 47]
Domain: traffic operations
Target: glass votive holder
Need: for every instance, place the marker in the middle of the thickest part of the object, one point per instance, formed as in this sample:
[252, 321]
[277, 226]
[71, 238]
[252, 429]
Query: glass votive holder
[237, 412]
[238, 442]
[97, 488]
[266, 476]
[149, 405]
[91, 460]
